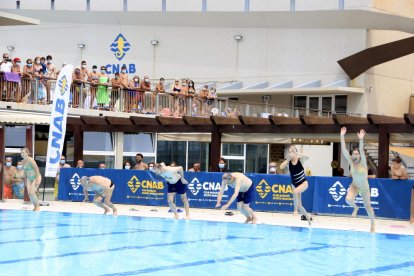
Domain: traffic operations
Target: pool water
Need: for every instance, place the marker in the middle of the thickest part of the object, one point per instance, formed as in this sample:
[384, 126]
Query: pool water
[50, 243]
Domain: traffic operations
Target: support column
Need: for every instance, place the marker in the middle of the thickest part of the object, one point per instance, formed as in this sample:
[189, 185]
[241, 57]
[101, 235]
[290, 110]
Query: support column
[29, 145]
[77, 145]
[215, 147]
[383, 151]
[2, 153]
[119, 150]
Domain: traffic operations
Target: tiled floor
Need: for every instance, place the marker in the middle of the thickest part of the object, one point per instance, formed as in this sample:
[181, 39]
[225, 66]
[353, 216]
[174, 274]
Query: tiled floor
[287, 219]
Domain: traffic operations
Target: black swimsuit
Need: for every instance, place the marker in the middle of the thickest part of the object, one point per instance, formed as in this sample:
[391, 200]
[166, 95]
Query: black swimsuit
[297, 173]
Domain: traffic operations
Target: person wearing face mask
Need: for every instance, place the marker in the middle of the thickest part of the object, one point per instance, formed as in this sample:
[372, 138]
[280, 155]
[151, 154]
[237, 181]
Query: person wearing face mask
[84, 71]
[132, 96]
[17, 69]
[50, 77]
[115, 91]
[151, 166]
[127, 165]
[8, 172]
[144, 86]
[182, 99]
[18, 181]
[6, 64]
[102, 97]
[272, 168]
[202, 98]
[298, 178]
[102, 166]
[28, 69]
[62, 164]
[222, 165]
[93, 75]
[359, 173]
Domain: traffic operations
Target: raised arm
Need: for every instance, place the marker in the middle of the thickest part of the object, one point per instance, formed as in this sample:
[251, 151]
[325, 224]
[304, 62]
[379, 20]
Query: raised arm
[234, 196]
[361, 135]
[300, 155]
[284, 163]
[343, 148]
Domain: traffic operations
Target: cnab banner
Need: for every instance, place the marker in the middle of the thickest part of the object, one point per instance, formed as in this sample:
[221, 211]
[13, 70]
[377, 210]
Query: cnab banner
[58, 120]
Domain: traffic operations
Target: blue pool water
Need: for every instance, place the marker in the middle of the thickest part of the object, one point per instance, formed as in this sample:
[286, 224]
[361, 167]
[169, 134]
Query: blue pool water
[49, 243]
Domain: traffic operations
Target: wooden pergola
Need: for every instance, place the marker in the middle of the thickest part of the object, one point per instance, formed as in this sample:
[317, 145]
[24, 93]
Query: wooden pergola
[217, 125]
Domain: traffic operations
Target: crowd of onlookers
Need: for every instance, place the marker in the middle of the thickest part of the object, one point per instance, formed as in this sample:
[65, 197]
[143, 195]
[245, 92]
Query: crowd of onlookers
[94, 83]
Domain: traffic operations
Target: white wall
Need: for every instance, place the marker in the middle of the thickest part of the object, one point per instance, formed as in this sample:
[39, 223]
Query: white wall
[228, 5]
[35, 4]
[144, 5]
[72, 5]
[269, 5]
[107, 5]
[200, 53]
[320, 158]
[8, 4]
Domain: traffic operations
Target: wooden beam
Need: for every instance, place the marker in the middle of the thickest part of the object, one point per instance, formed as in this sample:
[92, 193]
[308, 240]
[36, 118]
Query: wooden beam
[78, 145]
[92, 120]
[29, 145]
[349, 120]
[170, 121]
[147, 121]
[409, 118]
[221, 120]
[383, 151]
[119, 120]
[215, 148]
[314, 120]
[197, 120]
[248, 121]
[382, 119]
[281, 120]
[74, 121]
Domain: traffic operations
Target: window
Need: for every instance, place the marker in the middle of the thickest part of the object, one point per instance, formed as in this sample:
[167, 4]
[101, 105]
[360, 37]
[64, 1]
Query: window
[233, 149]
[98, 141]
[168, 151]
[142, 142]
[256, 158]
[15, 137]
[341, 104]
[198, 152]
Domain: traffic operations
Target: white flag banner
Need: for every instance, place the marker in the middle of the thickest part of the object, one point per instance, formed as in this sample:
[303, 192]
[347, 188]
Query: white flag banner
[57, 131]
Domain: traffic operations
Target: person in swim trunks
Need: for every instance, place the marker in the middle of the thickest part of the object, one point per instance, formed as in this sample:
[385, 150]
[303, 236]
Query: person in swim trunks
[103, 188]
[298, 178]
[359, 172]
[243, 192]
[176, 185]
[32, 173]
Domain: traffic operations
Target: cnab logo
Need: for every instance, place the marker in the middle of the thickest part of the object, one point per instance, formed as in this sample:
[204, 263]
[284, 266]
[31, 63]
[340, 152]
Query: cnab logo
[63, 85]
[134, 184]
[263, 188]
[337, 191]
[194, 186]
[75, 181]
[120, 47]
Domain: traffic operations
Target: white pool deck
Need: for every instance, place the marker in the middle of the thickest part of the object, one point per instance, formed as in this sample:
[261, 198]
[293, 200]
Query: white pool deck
[347, 223]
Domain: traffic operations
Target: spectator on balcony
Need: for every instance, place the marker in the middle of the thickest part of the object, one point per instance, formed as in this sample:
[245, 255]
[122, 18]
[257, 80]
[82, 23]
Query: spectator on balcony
[176, 88]
[28, 69]
[94, 75]
[50, 77]
[211, 97]
[39, 73]
[84, 71]
[116, 90]
[16, 66]
[140, 165]
[182, 99]
[145, 85]
[6, 64]
[160, 86]
[398, 171]
[202, 98]
[77, 82]
[102, 94]
[132, 97]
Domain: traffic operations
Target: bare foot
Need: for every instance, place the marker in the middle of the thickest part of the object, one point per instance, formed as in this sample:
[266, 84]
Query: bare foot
[106, 211]
[412, 220]
[309, 220]
[187, 217]
[36, 209]
[355, 212]
[295, 212]
[115, 213]
[176, 216]
[248, 219]
[254, 220]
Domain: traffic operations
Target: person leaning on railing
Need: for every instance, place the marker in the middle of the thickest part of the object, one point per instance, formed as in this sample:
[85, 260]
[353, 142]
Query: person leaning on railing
[131, 97]
[116, 90]
[145, 85]
[181, 107]
[202, 98]
[398, 171]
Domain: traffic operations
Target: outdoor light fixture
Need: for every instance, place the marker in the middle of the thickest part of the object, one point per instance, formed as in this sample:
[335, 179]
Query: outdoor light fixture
[81, 46]
[238, 37]
[10, 48]
[154, 42]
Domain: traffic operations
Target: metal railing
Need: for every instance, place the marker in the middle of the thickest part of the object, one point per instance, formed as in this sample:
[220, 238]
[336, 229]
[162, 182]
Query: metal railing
[103, 96]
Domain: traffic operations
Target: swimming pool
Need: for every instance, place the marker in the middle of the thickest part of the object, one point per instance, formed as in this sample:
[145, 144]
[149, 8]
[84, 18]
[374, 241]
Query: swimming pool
[51, 243]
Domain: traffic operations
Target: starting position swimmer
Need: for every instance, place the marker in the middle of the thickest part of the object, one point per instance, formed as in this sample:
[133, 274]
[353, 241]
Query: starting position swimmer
[103, 188]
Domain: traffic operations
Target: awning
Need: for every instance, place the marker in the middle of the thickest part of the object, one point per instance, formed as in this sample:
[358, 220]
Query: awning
[24, 118]
[9, 19]
[404, 151]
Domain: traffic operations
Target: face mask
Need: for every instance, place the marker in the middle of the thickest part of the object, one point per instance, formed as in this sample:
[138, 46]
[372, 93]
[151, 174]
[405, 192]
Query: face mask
[29, 65]
[8, 164]
[127, 167]
[103, 71]
[19, 167]
[136, 80]
[102, 168]
[62, 161]
[184, 84]
[49, 61]
[151, 169]
[272, 169]
[37, 61]
[83, 66]
[221, 166]
[147, 80]
[18, 63]
[123, 71]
